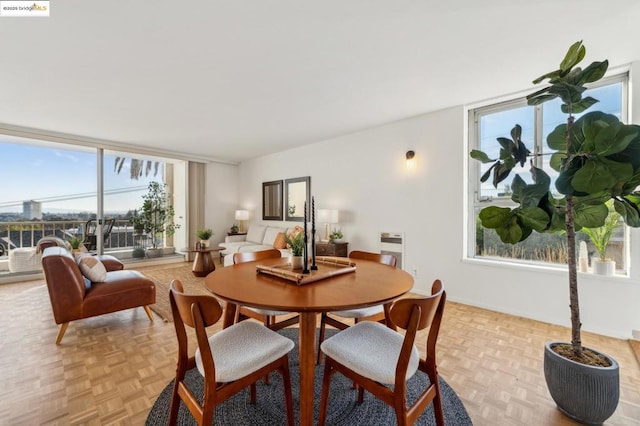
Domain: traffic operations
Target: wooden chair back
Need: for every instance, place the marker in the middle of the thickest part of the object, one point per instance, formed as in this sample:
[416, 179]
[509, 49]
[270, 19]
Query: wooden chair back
[209, 306]
[252, 256]
[385, 259]
[199, 312]
[403, 310]
[412, 315]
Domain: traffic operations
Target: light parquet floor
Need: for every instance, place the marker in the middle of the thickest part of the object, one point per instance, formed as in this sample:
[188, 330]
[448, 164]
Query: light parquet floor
[109, 370]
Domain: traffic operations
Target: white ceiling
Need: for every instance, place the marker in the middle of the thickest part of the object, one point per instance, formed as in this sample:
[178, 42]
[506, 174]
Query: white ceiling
[231, 80]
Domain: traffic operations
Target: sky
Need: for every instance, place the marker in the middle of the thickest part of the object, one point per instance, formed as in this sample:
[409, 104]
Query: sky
[37, 172]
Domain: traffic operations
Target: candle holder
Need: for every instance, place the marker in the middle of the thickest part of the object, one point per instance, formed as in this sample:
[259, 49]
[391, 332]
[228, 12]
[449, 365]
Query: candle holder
[305, 258]
[314, 267]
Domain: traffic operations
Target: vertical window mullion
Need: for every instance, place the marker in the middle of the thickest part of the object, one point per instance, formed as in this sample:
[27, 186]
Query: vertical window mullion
[538, 135]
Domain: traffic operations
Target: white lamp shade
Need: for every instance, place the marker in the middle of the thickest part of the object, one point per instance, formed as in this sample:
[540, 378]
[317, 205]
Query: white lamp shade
[327, 216]
[242, 214]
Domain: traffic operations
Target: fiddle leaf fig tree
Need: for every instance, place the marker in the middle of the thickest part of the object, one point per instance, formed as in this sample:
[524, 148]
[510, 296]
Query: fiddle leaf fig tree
[597, 158]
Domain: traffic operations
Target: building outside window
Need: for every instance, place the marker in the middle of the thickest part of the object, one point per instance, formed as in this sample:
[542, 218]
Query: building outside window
[489, 122]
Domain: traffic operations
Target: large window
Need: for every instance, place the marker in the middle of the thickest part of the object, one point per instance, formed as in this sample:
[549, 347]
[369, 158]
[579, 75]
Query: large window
[490, 122]
[54, 189]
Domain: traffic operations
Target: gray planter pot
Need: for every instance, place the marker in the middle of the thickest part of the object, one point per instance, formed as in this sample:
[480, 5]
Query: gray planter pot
[151, 252]
[584, 393]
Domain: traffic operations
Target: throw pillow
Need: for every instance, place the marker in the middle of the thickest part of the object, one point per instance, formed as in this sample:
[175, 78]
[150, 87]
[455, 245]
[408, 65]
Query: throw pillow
[279, 242]
[92, 268]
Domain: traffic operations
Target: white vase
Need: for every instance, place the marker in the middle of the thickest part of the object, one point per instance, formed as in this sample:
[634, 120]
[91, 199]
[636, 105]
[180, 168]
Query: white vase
[296, 262]
[603, 267]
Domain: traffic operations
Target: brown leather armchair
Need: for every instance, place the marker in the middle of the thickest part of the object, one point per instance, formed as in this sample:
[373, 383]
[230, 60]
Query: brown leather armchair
[72, 299]
[110, 262]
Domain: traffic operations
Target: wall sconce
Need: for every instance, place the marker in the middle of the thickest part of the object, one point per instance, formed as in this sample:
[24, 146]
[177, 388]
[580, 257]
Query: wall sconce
[242, 215]
[411, 160]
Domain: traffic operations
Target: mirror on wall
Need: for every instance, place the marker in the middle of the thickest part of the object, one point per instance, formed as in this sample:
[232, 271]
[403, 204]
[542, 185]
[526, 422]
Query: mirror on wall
[272, 200]
[297, 191]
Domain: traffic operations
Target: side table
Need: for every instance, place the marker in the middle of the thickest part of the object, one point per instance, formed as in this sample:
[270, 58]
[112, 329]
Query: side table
[203, 262]
[331, 249]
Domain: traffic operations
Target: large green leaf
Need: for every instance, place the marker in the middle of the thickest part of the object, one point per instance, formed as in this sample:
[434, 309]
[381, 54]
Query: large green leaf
[569, 93]
[486, 174]
[580, 106]
[574, 55]
[550, 75]
[510, 232]
[529, 195]
[594, 72]
[500, 173]
[600, 175]
[505, 143]
[556, 160]
[480, 156]
[629, 210]
[557, 138]
[590, 216]
[613, 139]
[494, 217]
[631, 154]
[630, 185]
[533, 217]
[541, 98]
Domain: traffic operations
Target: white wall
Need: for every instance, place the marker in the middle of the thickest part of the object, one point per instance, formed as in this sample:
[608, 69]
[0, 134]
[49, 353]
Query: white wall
[363, 175]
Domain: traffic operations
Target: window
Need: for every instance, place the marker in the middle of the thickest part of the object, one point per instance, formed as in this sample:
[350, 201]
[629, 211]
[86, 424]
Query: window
[490, 122]
[52, 189]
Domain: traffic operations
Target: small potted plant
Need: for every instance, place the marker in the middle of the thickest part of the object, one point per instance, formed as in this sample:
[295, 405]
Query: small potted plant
[336, 236]
[204, 235]
[600, 237]
[234, 229]
[296, 244]
[75, 243]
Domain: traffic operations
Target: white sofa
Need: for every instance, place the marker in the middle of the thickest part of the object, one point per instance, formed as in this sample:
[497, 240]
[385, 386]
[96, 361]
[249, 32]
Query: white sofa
[258, 238]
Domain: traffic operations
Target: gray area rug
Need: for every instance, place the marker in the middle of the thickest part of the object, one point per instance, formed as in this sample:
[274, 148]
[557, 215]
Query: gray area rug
[343, 409]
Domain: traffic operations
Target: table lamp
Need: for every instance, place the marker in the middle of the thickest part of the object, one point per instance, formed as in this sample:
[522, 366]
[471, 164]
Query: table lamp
[328, 217]
[241, 215]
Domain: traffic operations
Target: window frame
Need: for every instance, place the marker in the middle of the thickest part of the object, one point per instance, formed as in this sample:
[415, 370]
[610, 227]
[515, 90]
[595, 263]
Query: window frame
[476, 202]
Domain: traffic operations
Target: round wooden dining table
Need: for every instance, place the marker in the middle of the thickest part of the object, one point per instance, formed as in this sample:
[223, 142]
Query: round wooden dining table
[370, 284]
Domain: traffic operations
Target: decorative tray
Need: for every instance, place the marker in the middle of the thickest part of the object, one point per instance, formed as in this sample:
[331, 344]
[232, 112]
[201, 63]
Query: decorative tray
[327, 267]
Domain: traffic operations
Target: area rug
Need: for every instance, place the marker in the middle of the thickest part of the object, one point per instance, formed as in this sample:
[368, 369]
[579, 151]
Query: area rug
[162, 277]
[343, 409]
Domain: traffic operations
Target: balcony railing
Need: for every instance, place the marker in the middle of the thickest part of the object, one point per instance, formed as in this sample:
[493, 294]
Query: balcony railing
[28, 233]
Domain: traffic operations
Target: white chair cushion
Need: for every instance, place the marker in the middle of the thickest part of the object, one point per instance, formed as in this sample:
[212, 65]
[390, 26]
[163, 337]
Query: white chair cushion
[255, 234]
[270, 235]
[360, 312]
[267, 312]
[242, 349]
[371, 350]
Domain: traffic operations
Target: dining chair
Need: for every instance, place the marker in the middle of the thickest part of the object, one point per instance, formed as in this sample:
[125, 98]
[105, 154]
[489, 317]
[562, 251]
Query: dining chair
[229, 360]
[268, 317]
[371, 313]
[381, 360]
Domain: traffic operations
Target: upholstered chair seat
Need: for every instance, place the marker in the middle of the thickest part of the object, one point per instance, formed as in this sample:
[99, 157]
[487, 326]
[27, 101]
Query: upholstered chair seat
[243, 348]
[370, 349]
